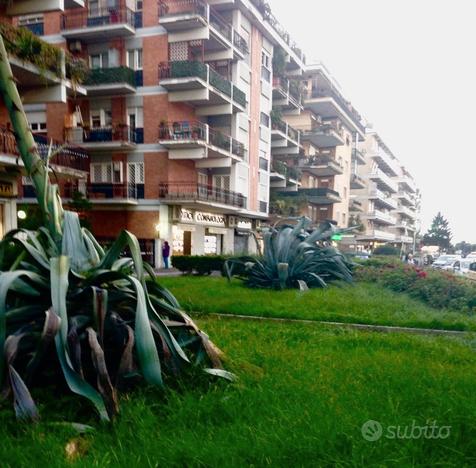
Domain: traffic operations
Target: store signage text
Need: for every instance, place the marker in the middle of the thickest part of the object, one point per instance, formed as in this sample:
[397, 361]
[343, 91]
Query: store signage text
[199, 217]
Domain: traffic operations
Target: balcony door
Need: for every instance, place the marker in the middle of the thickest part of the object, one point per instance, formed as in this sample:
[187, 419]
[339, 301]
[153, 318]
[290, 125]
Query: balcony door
[221, 186]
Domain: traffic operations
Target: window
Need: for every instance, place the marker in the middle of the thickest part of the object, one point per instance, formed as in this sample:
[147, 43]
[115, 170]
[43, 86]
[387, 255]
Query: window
[30, 19]
[37, 121]
[264, 119]
[100, 60]
[134, 59]
[94, 9]
[135, 173]
[266, 60]
[101, 173]
[343, 219]
[139, 5]
[101, 118]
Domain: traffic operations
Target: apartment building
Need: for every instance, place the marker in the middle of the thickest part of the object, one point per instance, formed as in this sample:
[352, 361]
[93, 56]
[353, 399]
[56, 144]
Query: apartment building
[328, 129]
[175, 118]
[45, 86]
[386, 204]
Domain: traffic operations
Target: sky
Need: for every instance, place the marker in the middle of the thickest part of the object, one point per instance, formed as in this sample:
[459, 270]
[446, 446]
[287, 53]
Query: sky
[409, 67]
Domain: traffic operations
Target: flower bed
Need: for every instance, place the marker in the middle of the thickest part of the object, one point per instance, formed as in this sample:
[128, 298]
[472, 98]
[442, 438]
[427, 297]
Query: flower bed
[438, 289]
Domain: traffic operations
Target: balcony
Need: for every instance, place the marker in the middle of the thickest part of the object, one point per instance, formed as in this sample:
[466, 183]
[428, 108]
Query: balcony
[189, 20]
[103, 24]
[386, 163]
[358, 156]
[357, 182]
[329, 104]
[286, 95]
[194, 194]
[382, 199]
[408, 184]
[112, 194]
[69, 161]
[405, 225]
[31, 7]
[383, 181]
[110, 81]
[197, 141]
[321, 166]
[319, 196]
[406, 212]
[107, 138]
[197, 84]
[377, 235]
[285, 139]
[356, 205]
[403, 239]
[381, 217]
[327, 135]
[406, 199]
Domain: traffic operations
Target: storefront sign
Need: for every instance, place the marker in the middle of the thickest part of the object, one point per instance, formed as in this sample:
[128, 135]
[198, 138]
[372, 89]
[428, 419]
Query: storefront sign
[199, 217]
[210, 218]
[219, 231]
[6, 190]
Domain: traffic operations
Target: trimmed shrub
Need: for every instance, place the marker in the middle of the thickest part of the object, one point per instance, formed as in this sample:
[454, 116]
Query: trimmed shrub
[386, 250]
[198, 264]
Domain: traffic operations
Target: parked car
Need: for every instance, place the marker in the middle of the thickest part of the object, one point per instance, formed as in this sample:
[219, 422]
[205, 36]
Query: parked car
[467, 268]
[445, 262]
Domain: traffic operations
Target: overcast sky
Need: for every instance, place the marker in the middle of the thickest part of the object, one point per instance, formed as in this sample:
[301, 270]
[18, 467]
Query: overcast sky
[409, 67]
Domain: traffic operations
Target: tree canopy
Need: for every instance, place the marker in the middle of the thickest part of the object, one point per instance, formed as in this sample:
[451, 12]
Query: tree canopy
[439, 233]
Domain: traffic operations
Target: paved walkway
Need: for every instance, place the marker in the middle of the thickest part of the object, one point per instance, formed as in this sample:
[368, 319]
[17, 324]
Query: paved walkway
[357, 326]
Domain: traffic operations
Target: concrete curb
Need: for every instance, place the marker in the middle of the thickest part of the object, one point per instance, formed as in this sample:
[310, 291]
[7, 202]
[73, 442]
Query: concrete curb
[355, 326]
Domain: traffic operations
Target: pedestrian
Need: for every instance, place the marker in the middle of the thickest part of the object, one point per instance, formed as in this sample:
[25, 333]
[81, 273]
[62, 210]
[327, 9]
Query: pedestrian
[166, 254]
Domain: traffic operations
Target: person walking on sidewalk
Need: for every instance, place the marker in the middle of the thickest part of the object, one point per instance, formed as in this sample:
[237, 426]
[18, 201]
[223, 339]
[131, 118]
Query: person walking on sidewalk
[166, 254]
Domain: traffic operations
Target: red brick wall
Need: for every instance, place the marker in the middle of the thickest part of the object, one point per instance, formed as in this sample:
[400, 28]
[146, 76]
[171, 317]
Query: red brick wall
[109, 223]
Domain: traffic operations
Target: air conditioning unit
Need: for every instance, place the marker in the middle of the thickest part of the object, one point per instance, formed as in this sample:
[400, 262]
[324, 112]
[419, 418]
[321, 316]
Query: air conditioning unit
[76, 46]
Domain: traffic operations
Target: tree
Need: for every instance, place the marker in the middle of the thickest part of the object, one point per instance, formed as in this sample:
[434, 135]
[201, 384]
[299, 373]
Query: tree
[439, 233]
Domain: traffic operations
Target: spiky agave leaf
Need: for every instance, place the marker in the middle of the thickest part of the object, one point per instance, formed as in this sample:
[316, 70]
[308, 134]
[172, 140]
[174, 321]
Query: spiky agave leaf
[294, 258]
[128, 322]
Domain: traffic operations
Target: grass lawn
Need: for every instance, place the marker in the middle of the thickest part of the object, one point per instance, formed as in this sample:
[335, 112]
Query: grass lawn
[302, 396]
[361, 303]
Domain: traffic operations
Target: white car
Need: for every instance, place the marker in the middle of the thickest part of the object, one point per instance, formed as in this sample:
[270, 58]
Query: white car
[445, 262]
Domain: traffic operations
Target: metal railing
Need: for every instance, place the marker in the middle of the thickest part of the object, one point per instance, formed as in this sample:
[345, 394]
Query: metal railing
[291, 91]
[177, 7]
[200, 192]
[102, 191]
[100, 76]
[195, 130]
[196, 69]
[285, 128]
[345, 105]
[67, 155]
[109, 133]
[82, 18]
[217, 22]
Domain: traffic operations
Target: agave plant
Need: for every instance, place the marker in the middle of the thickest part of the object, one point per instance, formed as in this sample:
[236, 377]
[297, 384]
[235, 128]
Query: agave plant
[70, 310]
[293, 257]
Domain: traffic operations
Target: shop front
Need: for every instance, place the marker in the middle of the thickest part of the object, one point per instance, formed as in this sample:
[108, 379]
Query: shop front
[200, 233]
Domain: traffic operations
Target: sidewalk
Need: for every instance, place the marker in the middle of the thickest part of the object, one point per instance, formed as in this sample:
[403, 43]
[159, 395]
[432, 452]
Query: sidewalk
[167, 272]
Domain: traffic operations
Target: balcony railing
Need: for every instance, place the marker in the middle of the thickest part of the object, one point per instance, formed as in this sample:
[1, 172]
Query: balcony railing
[200, 192]
[345, 105]
[82, 18]
[286, 129]
[102, 76]
[203, 71]
[110, 133]
[382, 216]
[198, 131]
[288, 88]
[70, 156]
[170, 8]
[358, 155]
[385, 179]
[180, 7]
[102, 191]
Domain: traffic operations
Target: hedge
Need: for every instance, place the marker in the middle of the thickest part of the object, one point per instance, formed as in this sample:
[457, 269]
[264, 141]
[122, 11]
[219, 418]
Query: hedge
[199, 264]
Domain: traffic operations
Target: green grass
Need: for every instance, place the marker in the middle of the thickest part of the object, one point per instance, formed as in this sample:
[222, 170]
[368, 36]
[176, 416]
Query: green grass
[361, 303]
[302, 396]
